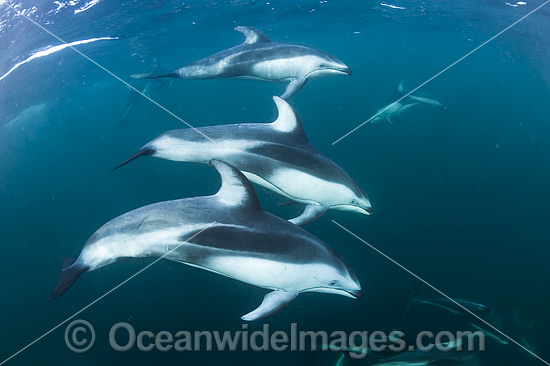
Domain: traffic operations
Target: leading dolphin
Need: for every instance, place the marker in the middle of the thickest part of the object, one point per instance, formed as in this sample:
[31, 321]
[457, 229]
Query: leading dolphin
[393, 110]
[261, 59]
[275, 155]
[227, 233]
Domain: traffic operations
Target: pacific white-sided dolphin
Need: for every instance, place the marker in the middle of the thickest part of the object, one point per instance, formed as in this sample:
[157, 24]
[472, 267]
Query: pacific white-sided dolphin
[275, 155]
[395, 109]
[451, 306]
[478, 310]
[227, 233]
[448, 354]
[33, 115]
[261, 59]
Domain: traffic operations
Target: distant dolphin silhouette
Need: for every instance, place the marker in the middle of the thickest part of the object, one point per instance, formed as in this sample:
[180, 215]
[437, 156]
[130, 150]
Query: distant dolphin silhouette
[394, 109]
[228, 233]
[261, 59]
[479, 310]
[275, 155]
[447, 354]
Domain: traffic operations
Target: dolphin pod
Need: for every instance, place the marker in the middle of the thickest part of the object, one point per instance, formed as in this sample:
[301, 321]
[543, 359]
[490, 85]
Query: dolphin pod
[275, 155]
[227, 233]
[260, 58]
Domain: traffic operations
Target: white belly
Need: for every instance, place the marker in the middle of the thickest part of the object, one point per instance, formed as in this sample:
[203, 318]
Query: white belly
[265, 273]
[302, 187]
[282, 70]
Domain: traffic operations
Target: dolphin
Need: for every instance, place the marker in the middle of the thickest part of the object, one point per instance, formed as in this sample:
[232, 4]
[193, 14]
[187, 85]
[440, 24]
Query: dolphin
[479, 310]
[227, 233]
[275, 155]
[449, 355]
[30, 115]
[135, 98]
[395, 109]
[451, 306]
[261, 59]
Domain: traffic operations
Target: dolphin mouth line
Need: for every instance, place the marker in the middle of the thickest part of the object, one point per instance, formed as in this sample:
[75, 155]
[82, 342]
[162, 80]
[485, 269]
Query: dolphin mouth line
[344, 71]
[364, 211]
[354, 294]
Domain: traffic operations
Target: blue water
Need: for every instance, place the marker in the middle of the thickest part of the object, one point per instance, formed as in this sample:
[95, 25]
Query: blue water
[460, 196]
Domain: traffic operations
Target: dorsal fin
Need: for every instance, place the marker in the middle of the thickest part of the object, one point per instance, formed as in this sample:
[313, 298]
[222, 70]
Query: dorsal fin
[288, 120]
[235, 189]
[252, 35]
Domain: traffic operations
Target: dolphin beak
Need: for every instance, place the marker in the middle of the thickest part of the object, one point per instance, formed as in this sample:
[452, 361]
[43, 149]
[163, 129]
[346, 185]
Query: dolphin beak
[356, 294]
[365, 210]
[347, 70]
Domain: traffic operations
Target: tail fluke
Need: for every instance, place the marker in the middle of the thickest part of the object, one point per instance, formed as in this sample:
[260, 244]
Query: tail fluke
[68, 274]
[146, 151]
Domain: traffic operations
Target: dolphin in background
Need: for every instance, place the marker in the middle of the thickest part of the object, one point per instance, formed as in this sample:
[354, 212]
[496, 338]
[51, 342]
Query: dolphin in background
[444, 354]
[392, 111]
[261, 59]
[32, 115]
[446, 304]
[480, 310]
[135, 98]
[436, 357]
[227, 233]
[277, 156]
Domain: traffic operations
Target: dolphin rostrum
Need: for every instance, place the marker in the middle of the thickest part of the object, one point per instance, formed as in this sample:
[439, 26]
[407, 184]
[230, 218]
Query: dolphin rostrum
[275, 155]
[261, 59]
[227, 233]
[393, 110]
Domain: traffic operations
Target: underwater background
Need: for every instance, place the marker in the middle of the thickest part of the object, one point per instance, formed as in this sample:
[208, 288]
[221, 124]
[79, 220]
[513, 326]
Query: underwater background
[460, 196]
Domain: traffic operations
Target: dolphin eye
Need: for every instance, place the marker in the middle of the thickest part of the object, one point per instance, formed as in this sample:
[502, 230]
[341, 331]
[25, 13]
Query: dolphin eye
[333, 282]
[353, 201]
[323, 64]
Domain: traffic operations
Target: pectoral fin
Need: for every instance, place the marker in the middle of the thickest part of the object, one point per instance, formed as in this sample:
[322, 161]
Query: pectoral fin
[272, 303]
[294, 87]
[311, 213]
